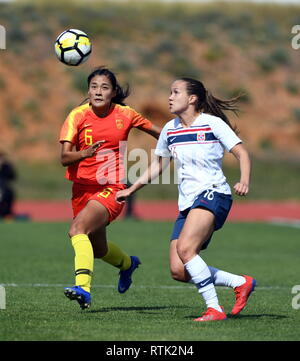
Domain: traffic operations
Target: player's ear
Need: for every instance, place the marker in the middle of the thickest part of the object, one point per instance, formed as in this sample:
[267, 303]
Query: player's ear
[193, 99]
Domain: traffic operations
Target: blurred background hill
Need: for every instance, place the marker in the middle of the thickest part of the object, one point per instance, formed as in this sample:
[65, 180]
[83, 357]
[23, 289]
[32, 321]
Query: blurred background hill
[232, 47]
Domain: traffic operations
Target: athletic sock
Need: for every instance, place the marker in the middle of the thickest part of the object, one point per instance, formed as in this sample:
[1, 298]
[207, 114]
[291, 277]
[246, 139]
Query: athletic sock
[84, 261]
[201, 277]
[116, 257]
[222, 278]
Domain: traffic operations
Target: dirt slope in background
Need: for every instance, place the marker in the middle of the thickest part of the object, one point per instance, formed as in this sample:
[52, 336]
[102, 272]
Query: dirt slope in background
[37, 91]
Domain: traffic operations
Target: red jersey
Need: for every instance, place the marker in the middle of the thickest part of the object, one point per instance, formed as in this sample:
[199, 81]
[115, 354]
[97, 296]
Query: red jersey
[83, 127]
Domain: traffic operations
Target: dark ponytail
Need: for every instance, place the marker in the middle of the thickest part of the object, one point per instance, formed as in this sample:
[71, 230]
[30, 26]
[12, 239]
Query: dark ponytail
[207, 103]
[121, 93]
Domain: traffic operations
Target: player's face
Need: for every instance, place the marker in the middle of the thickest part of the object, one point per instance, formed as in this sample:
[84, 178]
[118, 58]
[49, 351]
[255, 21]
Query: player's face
[179, 100]
[101, 92]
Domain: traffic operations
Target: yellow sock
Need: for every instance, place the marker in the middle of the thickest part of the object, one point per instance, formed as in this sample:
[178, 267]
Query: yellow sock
[116, 257]
[84, 261]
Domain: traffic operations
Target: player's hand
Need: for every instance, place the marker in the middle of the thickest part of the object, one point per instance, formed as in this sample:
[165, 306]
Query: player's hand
[89, 152]
[122, 195]
[241, 189]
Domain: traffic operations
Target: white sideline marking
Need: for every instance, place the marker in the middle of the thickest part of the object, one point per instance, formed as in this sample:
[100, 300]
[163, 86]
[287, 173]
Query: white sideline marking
[294, 223]
[114, 286]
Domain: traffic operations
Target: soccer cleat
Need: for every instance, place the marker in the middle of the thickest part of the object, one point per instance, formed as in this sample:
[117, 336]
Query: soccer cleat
[211, 314]
[80, 295]
[242, 294]
[125, 276]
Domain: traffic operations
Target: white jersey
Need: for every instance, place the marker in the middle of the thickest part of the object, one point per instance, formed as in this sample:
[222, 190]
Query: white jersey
[197, 152]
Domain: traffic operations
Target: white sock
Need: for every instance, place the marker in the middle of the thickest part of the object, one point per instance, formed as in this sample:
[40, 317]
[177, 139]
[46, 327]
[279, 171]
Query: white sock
[202, 279]
[222, 278]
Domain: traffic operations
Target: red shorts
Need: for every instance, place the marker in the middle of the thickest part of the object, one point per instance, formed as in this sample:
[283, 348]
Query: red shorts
[104, 194]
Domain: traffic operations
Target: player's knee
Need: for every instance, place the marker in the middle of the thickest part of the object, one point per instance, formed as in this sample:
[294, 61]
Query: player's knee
[77, 227]
[184, 252]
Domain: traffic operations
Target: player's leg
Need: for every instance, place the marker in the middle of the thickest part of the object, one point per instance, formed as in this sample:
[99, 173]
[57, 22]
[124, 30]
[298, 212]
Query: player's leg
[226, 279]
[99, 242]
[112, 253]
[220, 278]
[108, 251]
[88, 220]
[178, 272]
[115, 256]
[198, 228]
[242, 285]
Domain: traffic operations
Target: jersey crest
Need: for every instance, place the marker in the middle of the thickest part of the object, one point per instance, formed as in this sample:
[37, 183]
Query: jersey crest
[201, 137]
[119, 123]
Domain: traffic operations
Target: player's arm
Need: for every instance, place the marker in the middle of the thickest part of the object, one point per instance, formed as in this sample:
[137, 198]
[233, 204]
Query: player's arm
[144, 124]
[154, 170]
[242, 187]
[154, 131]
[70, 156]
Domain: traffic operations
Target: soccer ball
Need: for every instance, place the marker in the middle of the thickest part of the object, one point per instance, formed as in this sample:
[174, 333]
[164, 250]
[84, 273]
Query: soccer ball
[73, 47]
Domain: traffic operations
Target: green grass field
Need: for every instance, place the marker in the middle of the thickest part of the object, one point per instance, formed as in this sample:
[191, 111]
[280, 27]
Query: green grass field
[38, 259]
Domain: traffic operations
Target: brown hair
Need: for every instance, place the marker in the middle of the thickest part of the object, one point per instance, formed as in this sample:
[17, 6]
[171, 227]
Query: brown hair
[207, 103]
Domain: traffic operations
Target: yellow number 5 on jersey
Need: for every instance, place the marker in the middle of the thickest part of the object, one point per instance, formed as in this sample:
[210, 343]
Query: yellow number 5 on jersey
[105, 193]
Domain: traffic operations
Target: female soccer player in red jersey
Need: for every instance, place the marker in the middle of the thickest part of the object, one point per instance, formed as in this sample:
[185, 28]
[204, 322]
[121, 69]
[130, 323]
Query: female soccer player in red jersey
[196, 139]
[92, 137]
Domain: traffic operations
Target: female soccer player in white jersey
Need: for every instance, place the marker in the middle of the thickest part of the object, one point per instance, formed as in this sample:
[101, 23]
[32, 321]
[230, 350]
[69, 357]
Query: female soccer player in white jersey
[196, 140]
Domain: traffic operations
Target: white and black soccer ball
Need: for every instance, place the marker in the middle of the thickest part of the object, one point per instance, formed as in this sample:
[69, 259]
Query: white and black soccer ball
[73, 47]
